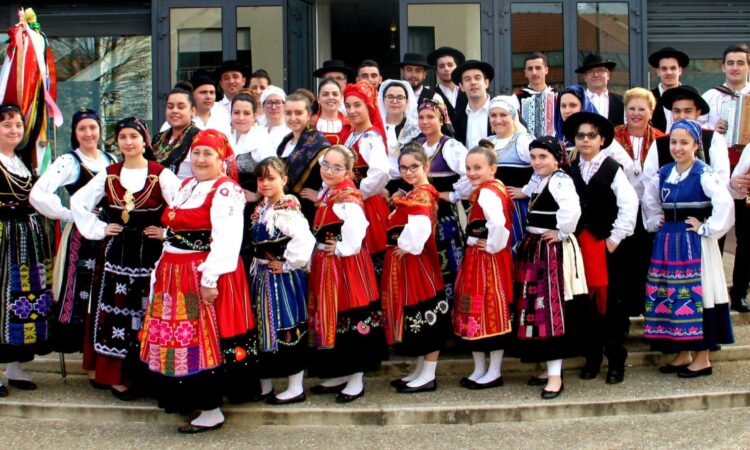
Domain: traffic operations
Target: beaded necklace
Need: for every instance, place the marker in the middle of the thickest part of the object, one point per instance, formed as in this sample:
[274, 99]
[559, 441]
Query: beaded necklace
[14, 183]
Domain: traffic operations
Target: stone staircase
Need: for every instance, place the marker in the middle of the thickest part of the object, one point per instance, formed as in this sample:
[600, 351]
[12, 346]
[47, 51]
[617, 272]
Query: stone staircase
[645, 391]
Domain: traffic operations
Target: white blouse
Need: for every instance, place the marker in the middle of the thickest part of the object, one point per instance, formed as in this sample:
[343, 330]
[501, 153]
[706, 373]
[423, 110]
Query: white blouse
[563, 190]
[722, 216]
[373, 151]
[329, 126]
[14, 165]
[277, 134]
[454, 154]
[85, 199]
[497, 234]
[64, 171]
[293, 224]
[415, 234]
[256, 142]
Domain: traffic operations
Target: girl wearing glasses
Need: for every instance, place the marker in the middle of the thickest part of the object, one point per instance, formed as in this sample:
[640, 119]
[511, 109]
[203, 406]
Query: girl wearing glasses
[484, 286]
[398, 108]
[415, 310]
[343, 298]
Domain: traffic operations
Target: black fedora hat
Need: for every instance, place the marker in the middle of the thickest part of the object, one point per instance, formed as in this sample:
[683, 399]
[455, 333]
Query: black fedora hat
[486, 68]
[684, 92]
[334, 65]
[415, 59]
[668, 52]
[606, 130]
[445, 51]
[232, 65]
[593, 60]
[200, 78]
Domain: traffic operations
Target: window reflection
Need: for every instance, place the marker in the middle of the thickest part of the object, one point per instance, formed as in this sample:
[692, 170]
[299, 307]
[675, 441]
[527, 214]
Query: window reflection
[195, 41]
[604, 28]
[260, 40]
[453, 25]
[527, 22]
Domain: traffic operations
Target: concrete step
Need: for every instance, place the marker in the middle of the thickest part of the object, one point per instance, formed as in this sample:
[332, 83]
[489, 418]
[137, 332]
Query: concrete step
[645, 391]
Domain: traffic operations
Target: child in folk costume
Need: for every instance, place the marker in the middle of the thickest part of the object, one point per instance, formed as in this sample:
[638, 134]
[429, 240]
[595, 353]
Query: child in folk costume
[484, 286]
[415, 310]
[344, 302]
[609, 207]
[687, 305]
[282, 245]
[199, 338]
[549, 272]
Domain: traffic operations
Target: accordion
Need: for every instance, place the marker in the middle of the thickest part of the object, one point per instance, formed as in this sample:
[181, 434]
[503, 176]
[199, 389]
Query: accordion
[538, 113]
[737, 114]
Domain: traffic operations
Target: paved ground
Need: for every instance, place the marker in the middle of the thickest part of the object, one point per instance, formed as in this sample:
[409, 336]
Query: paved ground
[726, 429]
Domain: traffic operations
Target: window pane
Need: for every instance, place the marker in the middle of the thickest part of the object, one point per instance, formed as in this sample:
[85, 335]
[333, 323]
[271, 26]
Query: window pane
[453, 25]
[111, 75]
[195, 41]
[537, 27]
[260, 40]
[604, 28]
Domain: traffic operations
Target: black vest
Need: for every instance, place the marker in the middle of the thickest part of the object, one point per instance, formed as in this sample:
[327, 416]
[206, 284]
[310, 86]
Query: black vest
[543, 209]
[665, 157]
[84, 174]
[598, 201]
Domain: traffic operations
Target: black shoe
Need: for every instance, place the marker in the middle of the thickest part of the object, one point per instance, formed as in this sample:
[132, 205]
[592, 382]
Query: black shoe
[189, 428]
[549, 395]
[588, 373]
[96, 385]
[494, 383]
[273, 400]
[319, 389]
[465, 382]
[126, 396]
[615, 376]
[741, 305]
[536, 381]
[348, 398]
[3, 391]
[22, 385]
[671, 368]
[687, 373]
[427, 387]
[398, 382]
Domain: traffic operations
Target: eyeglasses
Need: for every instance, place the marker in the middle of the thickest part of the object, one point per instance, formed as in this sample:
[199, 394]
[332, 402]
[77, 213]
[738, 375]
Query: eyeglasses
[273, 103]
[590, 135]
[395, 98]
[331, 168]
[412, 169]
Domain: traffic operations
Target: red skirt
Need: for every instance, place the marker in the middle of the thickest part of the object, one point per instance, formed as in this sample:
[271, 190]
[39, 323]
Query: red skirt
[338, 284]
[484, 292]
[594, 252]
[407, 281]
[376, 212]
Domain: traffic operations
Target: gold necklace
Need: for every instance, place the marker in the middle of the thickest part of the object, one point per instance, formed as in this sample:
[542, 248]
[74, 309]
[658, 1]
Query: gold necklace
[13, 183]
[129, 202]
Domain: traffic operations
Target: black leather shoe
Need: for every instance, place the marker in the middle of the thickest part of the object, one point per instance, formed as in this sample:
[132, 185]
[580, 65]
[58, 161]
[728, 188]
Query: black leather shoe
[671, 368]
[588, 373]
[536, 381]
[427, 387]
[319, 389]
[22, 385]
[465, 382]
[3, 391]
[549, 395]
[741, 305]
[494, 383]
[615, 376]
[687, 373]
[273, 400]
[126, 396]
[189, 428]
[348, 398]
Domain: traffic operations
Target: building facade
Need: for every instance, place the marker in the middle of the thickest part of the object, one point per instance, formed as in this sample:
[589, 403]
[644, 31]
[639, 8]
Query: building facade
[121, 57]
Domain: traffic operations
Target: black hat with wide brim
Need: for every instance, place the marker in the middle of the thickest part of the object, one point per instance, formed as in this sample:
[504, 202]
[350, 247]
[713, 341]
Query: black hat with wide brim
[668, 52]
[232, 65]
[415, 59]
[684, 92]
[606, 130]
[486, 68]
[334, 65]
[445, 51]
[593, 60]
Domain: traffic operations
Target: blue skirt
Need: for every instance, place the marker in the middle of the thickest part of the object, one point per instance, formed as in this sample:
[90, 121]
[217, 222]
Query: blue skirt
[518, 225]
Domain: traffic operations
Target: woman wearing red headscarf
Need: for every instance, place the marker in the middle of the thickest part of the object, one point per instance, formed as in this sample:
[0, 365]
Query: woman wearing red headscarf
[367, 141]
[199, 333]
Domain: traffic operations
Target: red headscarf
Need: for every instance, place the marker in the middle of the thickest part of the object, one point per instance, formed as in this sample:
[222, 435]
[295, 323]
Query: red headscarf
[365, 91]
[219, 142]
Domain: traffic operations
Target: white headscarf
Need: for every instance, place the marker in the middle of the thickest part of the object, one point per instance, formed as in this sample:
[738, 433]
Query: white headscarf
[271, 90]
[411, 127]
[508, 104]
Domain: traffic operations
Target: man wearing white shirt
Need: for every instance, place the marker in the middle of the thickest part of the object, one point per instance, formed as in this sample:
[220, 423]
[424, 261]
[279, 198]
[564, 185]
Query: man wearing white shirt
[232, 76]
[473, 122]
[736, 67]
[596, 72]
[669, 64]
[536, 102]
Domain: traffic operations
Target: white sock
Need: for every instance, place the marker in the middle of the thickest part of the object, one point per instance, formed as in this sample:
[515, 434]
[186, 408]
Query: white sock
[417, 369]
[14, 371]
[427, 374]
[495, 370]
[554, 368]
[266, 386]
[209, 418]
[294, 388]
[354, 385]
[479, 366]
[331, 382]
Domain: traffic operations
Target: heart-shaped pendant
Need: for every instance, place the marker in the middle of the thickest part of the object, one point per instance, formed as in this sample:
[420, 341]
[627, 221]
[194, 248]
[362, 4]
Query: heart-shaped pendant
[665, 193]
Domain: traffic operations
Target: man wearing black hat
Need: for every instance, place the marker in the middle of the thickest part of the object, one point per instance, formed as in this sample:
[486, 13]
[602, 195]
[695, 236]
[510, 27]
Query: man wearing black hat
[669, 64]
[536, 102]
[609, 208]
[232, 76]
[369, 70]
[336, 69]
[472, 123]
[596, 72]
[445, 60]
[414, 69]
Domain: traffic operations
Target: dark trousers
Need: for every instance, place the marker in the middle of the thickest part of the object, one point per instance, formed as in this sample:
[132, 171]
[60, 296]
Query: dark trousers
[741, 270]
